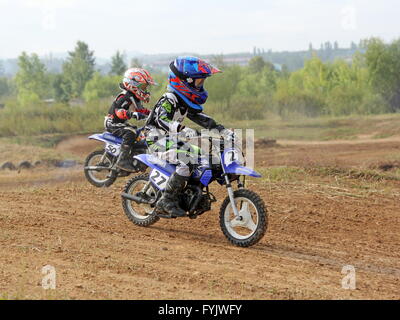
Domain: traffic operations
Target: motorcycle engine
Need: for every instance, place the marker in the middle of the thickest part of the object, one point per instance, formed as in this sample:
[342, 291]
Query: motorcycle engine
[186, 199]
[204, 204]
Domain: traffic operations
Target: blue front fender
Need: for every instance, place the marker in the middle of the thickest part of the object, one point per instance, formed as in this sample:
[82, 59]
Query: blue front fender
[235, 168]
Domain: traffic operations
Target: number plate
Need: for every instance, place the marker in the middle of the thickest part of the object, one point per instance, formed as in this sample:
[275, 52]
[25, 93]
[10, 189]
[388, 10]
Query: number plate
[231, 156]
[159, 179]
[114, 149]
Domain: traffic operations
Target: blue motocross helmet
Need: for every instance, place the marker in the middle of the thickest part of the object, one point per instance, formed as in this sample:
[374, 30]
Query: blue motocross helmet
[187, 77]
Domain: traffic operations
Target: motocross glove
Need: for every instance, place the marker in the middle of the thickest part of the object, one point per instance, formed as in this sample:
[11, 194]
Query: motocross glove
[138, 115]
[228, 135]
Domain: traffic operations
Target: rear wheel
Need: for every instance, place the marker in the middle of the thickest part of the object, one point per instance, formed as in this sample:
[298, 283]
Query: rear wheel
[251, 225]
[140, 213]
[102, 176]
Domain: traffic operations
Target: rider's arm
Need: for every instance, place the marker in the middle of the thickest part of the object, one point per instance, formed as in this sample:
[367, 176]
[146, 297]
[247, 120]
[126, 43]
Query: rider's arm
[204, 121]
[121, 106]
[163, 116]
[138, 106]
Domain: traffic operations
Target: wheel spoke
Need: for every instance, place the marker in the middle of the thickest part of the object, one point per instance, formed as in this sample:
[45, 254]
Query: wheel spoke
[250, 225]
[235, 223]
[245, 208]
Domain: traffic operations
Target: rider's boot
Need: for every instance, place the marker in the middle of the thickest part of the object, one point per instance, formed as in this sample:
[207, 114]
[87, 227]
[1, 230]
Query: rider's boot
[169, 202]
[124, 163]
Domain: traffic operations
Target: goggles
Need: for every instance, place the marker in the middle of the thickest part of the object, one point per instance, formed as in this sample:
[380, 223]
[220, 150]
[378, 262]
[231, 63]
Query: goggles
[143, 86]
[198, 83]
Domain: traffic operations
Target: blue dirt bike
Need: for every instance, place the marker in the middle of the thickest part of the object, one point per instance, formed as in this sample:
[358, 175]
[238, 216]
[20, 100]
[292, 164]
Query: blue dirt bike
[100, 166]
[243, 214]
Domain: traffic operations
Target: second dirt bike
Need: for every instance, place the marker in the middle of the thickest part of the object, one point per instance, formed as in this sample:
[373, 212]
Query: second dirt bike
[100, 166]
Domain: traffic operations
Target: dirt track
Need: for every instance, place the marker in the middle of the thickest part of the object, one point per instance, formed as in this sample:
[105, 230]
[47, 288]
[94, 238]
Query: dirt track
[316, 227]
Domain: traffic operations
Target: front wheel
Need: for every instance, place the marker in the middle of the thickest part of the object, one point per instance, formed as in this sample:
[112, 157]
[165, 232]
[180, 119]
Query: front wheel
[102, 175]
[140, 214]
[251, 225]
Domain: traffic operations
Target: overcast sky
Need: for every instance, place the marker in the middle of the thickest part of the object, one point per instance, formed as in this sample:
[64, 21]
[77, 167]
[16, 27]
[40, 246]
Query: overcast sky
[203, 26]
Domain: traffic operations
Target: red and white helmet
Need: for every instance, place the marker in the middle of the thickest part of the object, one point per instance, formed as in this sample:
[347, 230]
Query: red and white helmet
[137, 80]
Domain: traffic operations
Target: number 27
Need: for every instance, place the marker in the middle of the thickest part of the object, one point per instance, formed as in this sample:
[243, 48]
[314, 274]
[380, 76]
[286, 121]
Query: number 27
[157, 176]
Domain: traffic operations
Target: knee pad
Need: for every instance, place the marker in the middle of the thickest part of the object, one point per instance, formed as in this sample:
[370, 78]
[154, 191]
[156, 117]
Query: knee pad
[183, 170]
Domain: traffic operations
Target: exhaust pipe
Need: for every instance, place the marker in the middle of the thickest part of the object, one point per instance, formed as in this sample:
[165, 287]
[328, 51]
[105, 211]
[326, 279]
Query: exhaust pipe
[134, 198]
[98, 168]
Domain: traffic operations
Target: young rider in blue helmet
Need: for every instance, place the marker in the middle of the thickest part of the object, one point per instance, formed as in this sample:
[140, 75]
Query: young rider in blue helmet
[184, 98]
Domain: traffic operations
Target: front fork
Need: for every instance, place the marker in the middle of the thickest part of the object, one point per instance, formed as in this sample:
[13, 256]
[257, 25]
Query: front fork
[103, 157]
[229, 189]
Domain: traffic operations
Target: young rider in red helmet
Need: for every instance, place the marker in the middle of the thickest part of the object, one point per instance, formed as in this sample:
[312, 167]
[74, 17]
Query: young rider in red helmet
[127, 105]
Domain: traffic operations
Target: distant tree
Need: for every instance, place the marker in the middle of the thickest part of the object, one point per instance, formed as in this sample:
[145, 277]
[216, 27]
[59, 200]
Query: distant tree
[101, 87]
[31, 79]
[1, 69]
[353, 46]
[256, 64]
[136, 63]
[383, 61]
[79, 69]
[285, 71]
[224, 87]
[310, 47]
[61, 88]
[328, 46]
[4, 87]
[118, 65]
[336, 46]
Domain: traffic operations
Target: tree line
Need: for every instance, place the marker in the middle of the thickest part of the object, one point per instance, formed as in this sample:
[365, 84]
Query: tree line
[369, 83]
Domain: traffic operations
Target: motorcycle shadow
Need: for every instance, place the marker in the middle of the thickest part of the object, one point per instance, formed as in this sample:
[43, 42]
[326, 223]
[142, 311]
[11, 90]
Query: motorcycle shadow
[180, 234]
[215, 239]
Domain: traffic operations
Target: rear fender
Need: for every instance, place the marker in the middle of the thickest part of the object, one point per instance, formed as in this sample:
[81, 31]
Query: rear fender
[156, 163]
[112, 147]
[98, 137]
[106, 137]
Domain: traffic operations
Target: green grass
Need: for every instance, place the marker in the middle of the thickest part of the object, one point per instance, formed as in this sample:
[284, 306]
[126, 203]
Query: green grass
[333, 181]
[45, 125]
[44, 141]
[359, 174]
[29, 149]
[282, 174]
[292, 174]
[323, 128]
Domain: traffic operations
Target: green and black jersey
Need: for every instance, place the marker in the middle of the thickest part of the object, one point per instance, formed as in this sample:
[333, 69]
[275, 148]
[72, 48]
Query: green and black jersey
[170, 111]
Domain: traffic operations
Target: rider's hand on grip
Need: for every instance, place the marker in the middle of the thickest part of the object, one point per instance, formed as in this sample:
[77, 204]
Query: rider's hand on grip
[138, 115]
[228, 135]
